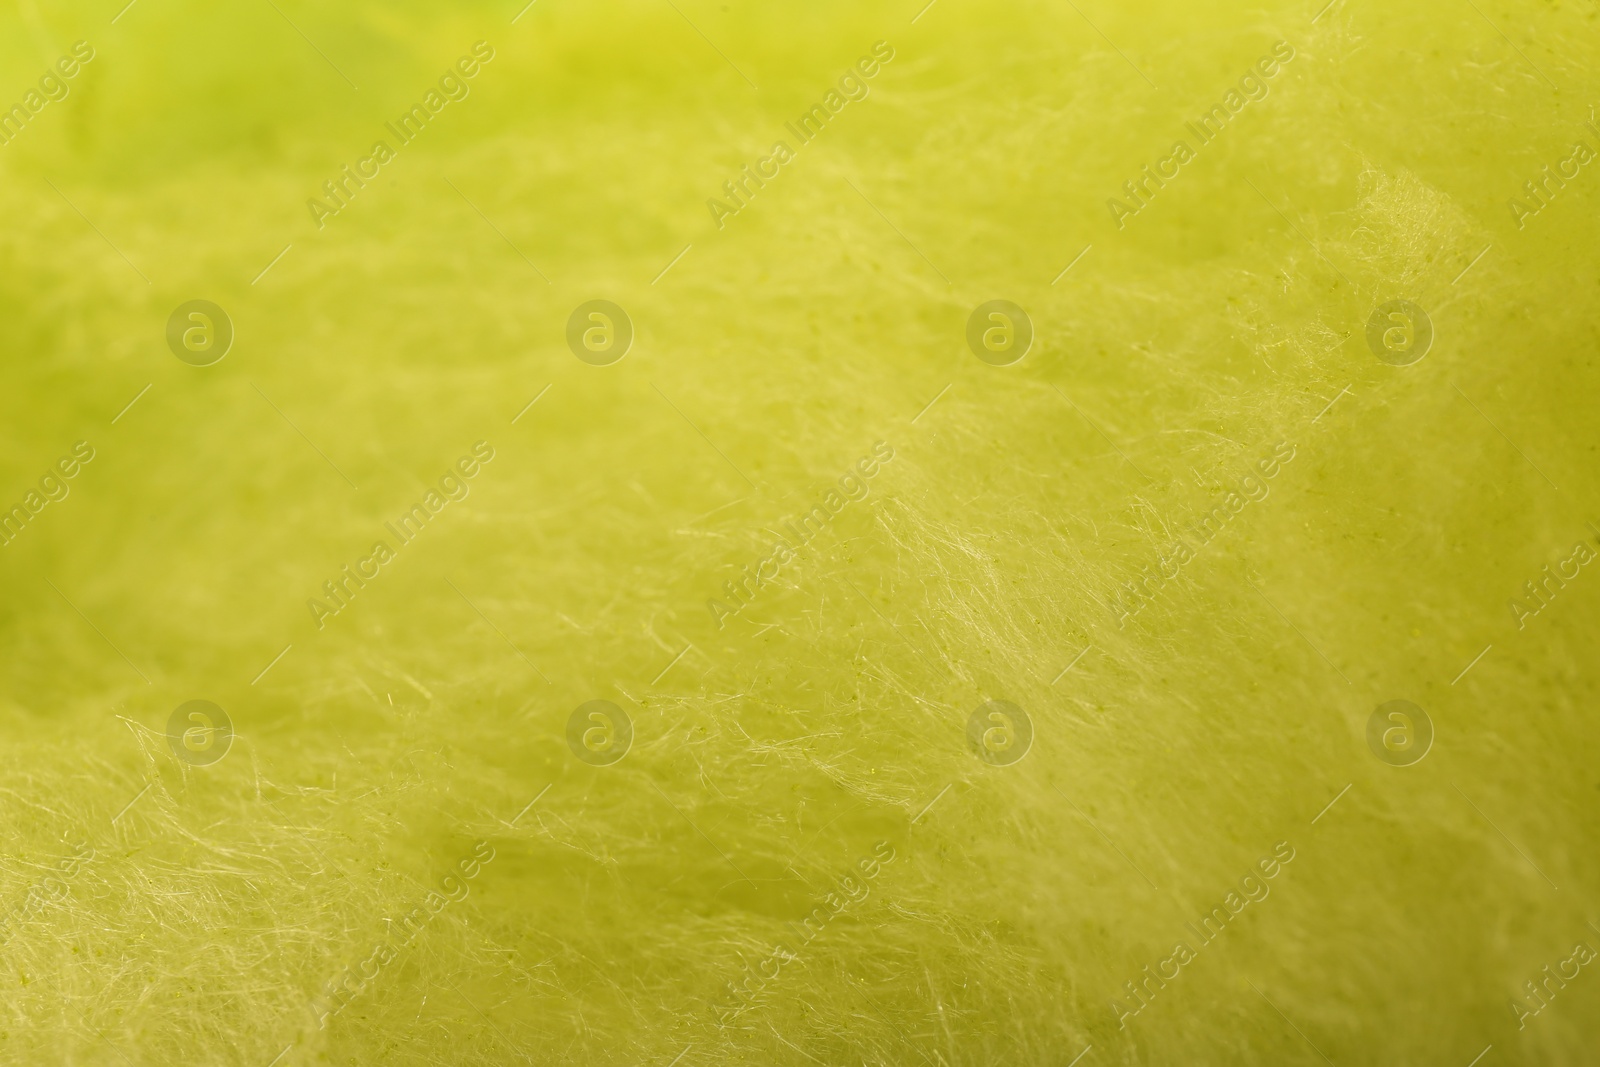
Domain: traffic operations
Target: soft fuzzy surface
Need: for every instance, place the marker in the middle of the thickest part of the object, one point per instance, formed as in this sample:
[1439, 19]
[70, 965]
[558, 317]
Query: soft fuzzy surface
[654, 911]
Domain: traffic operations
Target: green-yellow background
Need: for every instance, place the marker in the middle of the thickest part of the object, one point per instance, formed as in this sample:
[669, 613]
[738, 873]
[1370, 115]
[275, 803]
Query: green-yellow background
[772, 754]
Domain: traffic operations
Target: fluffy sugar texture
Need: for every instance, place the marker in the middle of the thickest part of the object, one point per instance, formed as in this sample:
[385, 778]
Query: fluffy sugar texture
[630, 907]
